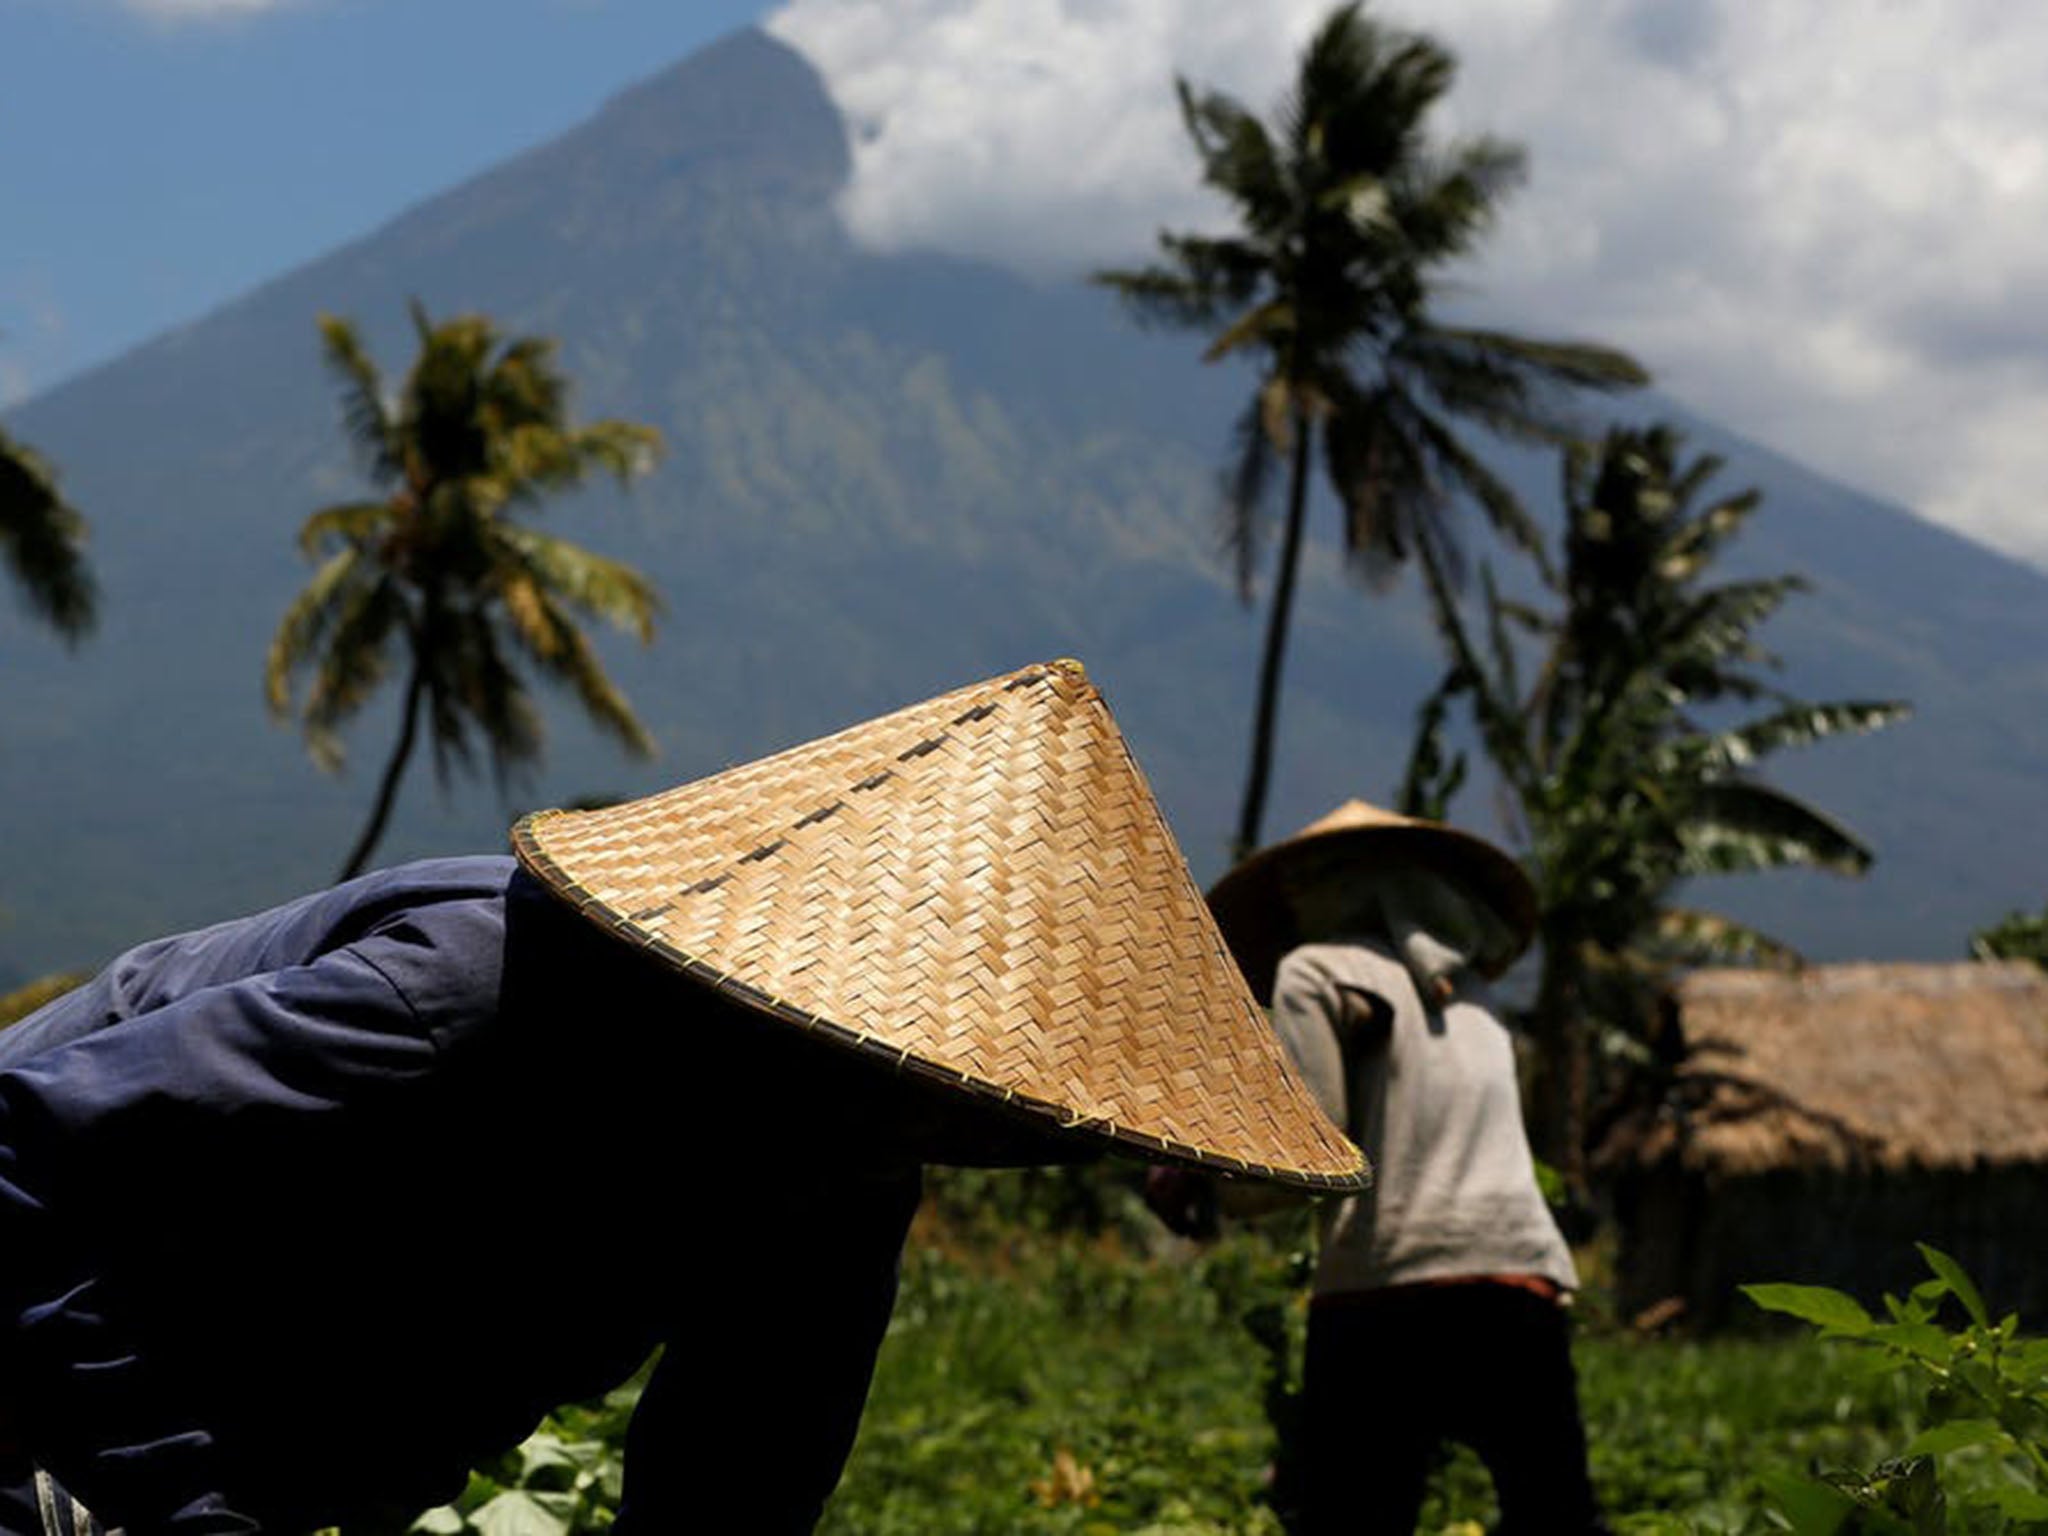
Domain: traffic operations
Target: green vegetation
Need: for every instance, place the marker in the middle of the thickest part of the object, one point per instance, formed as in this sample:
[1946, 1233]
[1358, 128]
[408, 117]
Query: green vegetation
[2016, 936]
[25, 1000]
[1347, 216]
[42, 541]
[1067, 1383]
[438, 570]
[42, 545]
[1614, 748]
[1983, 1392]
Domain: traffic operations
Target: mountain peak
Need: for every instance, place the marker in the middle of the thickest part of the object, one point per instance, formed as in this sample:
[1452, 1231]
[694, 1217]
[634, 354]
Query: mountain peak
[748, 100]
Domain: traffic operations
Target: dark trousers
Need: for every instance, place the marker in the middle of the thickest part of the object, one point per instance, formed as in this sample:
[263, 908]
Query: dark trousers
[1393, 1374]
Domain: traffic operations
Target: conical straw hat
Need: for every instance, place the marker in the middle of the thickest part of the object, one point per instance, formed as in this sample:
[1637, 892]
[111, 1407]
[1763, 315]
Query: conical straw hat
[1252, 906]
[979, 889]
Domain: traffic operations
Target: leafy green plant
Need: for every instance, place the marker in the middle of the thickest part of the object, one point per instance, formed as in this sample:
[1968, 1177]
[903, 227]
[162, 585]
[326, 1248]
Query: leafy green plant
[568, 1477]
[1985, 1398]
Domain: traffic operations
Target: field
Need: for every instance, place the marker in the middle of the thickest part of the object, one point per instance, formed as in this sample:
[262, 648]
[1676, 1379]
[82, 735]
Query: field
[1055, 1367]
[1073, 1390]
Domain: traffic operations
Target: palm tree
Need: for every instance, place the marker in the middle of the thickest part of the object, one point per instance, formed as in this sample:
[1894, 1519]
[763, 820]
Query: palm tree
[42, 540]
[439, 570]
[1621, 789]
[1346, 218]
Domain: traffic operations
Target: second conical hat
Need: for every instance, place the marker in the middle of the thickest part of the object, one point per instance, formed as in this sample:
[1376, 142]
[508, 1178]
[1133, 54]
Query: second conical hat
[980, 889]
[1252, 905]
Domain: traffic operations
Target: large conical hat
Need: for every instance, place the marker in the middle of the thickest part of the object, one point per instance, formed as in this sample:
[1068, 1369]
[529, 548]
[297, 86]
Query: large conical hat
[1252, 906]
[979, 889]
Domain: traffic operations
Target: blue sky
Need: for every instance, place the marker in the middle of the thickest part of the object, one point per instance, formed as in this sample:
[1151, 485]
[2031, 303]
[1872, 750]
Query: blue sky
[156, 160]
[1821, 224]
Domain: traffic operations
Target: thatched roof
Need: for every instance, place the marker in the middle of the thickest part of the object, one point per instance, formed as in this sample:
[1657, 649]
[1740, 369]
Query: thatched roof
[1841, 1066]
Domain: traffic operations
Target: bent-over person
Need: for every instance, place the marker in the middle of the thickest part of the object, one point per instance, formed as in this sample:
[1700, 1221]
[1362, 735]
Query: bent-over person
[303, 1214]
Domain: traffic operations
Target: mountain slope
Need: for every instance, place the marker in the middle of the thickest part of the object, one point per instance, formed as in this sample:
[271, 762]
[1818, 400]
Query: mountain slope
[888, 475]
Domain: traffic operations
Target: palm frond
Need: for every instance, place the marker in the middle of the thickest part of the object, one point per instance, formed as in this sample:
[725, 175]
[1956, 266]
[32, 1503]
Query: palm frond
[42, 541]
[1515, 386]
[1741, 827]
[495, 698]
[1246, 513]
[1494, 705]
[1496, 499]
[1443, 203]
[1237, 154]
[1182, 297]
[559, 649]
[364, 409]
[1709, 937]
[1257, 327]
[306, 625]
[1395, 502]
[1798, 726]
[1434, 775]
[605, 589]
[1702, 536]
[354, 660]
[353, 524]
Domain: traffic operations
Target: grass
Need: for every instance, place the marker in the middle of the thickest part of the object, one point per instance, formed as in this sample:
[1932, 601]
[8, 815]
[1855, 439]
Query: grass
[1061, 1384]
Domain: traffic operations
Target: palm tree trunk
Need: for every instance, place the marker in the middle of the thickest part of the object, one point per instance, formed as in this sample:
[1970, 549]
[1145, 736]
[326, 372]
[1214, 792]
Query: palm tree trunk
[387, 790]
[1559, 1090]
[1266, 718]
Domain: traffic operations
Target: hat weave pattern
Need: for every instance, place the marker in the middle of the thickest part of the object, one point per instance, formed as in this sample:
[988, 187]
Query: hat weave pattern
[981, 889]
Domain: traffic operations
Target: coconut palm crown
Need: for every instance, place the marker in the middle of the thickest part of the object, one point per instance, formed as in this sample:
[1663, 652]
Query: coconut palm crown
[443, 574]
[1346, 219]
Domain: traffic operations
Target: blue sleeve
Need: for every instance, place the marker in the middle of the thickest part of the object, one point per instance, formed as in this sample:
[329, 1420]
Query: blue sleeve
[762, 1390]
[237, 1070]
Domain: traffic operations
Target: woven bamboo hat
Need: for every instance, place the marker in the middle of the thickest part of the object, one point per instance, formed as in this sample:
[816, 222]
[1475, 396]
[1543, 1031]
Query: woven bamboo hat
[978, 889]
[1253, 907]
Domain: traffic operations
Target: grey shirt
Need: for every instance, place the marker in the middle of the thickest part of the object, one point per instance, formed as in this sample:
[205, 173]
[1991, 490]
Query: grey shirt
[1431, 1095]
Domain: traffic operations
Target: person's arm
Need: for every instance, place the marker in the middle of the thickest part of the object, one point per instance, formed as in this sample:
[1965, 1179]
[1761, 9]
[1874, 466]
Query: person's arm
[102, 1135]
[1309, 1016]
[757, 1397]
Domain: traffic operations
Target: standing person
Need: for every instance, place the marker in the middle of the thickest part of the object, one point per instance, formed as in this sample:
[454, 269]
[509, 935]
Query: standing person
[302, 1214]
[1437, 1308]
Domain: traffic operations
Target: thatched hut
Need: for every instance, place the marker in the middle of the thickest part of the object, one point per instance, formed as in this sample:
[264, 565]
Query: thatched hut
[1821, 1121]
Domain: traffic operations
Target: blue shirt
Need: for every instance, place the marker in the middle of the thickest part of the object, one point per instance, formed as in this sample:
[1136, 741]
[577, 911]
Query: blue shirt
[303, 1214]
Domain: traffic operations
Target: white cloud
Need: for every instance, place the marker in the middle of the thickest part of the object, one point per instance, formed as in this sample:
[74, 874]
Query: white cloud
[1818, 224]
[1040, 133]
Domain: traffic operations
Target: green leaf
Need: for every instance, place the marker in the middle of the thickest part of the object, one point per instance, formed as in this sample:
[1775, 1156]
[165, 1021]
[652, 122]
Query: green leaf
[545, 1462]
[2014, 1503]
[1954, 1436]
[516, 1512]
[1958, 1282]
[1827, 1309]
[1811, 1508]
[1920, 1339]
